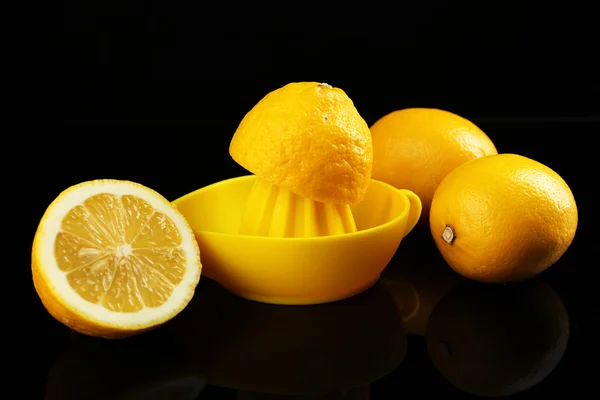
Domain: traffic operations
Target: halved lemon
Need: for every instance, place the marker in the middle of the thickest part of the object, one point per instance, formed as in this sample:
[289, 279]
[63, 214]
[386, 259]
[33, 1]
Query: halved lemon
[114, 258]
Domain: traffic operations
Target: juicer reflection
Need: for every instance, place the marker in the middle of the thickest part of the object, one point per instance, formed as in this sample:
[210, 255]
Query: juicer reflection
[359, 393]
[496, 341]
[302, 351]
[145, 367]
[417, 278]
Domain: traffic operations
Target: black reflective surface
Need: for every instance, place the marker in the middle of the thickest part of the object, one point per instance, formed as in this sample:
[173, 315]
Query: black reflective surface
[421, 330]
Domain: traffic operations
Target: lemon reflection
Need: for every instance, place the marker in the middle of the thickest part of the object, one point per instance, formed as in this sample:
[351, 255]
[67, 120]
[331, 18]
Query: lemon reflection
[417, 278]
[321, 351]
[145, 367]
[496, 341]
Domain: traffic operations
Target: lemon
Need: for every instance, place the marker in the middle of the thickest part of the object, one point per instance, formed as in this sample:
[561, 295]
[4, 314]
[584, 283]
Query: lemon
[503, 218]
[416, 148]
[114, 258]
[308, 138]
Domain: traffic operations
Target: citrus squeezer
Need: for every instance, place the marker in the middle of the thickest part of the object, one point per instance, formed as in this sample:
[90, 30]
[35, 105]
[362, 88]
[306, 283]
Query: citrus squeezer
[310, 225]
[296, 270]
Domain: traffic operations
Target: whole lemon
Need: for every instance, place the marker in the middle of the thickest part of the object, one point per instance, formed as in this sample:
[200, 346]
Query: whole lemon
[416, 148]
[502, 218]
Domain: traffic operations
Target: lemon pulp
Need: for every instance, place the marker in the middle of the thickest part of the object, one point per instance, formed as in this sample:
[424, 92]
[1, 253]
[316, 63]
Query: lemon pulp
[120, 253]
[276, 212]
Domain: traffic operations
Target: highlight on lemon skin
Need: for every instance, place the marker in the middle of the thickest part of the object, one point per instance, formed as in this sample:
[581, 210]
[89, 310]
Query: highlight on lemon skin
[113, 259]
[313, 154]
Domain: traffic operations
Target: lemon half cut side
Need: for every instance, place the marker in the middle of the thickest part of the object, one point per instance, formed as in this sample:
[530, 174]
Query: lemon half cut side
[114, 258]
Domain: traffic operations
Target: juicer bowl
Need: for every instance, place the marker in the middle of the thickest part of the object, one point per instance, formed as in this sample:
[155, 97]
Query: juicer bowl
[297, 271]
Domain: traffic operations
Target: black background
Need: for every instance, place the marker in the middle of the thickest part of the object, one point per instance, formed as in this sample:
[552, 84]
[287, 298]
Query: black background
[153, 91]
[156, 61]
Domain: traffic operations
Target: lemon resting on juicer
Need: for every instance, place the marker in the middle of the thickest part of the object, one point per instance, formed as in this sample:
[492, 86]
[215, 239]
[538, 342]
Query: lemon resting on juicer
[313, 155]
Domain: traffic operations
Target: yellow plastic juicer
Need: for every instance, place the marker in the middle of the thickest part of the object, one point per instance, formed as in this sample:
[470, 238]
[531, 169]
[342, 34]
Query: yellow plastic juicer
[278, 212]
[309, 226]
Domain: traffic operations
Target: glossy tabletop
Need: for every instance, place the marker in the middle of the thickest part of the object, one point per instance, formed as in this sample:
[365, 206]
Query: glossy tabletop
[422, 330]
